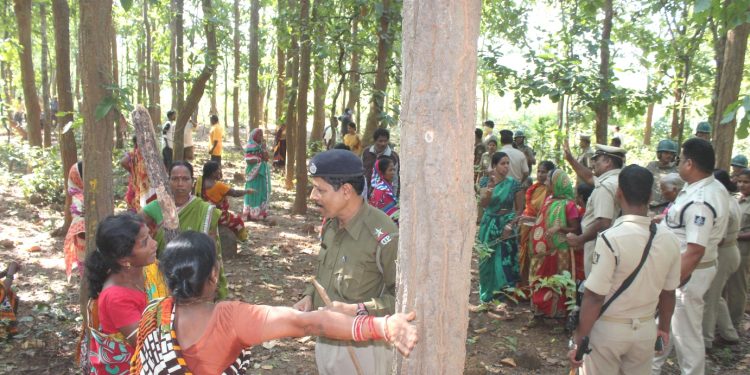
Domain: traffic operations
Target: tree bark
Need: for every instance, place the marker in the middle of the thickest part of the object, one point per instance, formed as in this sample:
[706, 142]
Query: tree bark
[649, 124]
[601, 109]
[354, 77]
[291, 124]
[22, 10]
[156, 91]
[47, 120]
[67, 140]
[377, 102]
[280, 86]
[319, 101]
[199, 85]
[236, 77]
[719, 43]
[121, 123]
[179, 28]
[437, 235]
[729, 89]
[300, 136]
[254, 89]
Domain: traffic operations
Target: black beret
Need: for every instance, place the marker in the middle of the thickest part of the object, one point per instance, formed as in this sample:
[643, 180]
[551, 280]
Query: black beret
[336, 163]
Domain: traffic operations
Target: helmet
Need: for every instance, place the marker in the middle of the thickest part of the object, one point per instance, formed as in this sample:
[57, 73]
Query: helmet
[519, 133]
[703, 127]
[739, 161]
[667, 145]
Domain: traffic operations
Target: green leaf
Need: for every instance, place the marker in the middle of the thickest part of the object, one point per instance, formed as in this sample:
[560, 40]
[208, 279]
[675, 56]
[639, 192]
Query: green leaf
[104, 107]
[126, 4]
[742, 129]
[702, 5]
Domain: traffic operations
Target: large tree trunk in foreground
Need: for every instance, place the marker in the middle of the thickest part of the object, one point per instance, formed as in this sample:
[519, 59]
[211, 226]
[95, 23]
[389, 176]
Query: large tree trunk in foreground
[300, 196]
[67, 140]
[729, 90]
[437, 235]
[601, 109]
[377, 102]
[236, 77]
[199, 85]
[22, 10]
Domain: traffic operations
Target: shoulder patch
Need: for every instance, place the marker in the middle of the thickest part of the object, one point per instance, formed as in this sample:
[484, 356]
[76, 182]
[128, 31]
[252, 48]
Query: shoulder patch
[699, 220]
[382, 237]
[595, 258]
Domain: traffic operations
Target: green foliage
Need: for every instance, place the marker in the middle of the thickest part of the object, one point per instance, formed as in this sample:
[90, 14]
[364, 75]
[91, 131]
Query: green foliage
[743, 127]
[561, 284]
[37, 170]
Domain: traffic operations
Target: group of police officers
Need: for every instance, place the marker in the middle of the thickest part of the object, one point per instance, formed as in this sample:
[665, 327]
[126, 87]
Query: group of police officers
[666, 268]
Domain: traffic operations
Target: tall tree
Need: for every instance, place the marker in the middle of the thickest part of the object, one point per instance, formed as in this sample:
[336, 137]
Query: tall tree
[67, 140]
[254, 89]
[236, 76]
[320, 85]
[292, 69]
[729, 89]
[22, 10]
[178, 7]
[385, 44]
[438, 115]
[354, 76]
[300, 141]
[47, 120]
[601, 106]
[199, 84]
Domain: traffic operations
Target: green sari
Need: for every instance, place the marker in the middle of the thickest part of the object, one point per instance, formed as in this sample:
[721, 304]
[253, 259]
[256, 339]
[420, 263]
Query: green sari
[196, 215]
[500, 269]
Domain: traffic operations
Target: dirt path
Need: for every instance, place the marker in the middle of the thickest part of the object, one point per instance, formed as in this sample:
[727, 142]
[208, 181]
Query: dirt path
[269, 269]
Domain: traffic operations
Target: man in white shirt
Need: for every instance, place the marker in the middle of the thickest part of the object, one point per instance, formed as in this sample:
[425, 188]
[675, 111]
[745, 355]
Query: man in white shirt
[519, 166]
[188, 141]
[167, 132]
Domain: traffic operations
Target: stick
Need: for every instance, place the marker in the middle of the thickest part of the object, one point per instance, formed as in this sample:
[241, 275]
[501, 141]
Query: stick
[327, 301]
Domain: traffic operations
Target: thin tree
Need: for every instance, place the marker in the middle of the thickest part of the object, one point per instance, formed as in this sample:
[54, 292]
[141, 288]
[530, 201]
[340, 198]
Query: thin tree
[292, 70]
[22, 9]
[437, 234]
[601, 107]
[254, 89]
[385, 44]
[300, 196]
[47, 120]
[236, 77]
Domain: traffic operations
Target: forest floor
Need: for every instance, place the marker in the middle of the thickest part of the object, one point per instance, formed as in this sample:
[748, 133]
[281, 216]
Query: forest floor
[269, 269]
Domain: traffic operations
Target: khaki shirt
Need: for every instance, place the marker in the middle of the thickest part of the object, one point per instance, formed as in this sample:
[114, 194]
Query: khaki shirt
[661, 271]
[699, 216]
[347, 268]
[657, 201]
[744, 246]
[528, 152]
[733, 223]
[519, 166]
[602, 202]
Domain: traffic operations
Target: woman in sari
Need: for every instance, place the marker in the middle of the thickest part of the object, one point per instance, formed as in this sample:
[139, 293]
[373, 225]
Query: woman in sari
[115, 274]
[550, 254]
[279, 147]
[75, 240]
[193, 214]
[8, 302]
[189, 333]
[383, 196]
[257, 178]
[535, 195]
[502, 201]
[212, 190]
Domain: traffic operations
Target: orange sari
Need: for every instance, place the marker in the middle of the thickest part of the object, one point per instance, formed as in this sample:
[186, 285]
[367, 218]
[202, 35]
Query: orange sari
[535, 196]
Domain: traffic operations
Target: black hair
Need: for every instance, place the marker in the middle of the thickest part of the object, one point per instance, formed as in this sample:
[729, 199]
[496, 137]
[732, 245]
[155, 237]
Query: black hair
[187, 263]
[357, 182]
[478, 133]
[181, 163]
[744, 172]
[617, 162]
[723, 177]
[381, 132]
[342, 146]
[171, 113]
[135, 141]
[214, 119]
[701, 153]
[548, 165]
[584, 191]
[115, 239]
[506, 137]
[79, 165]
[616, 142]
[496, 157]
[490, 124]
[635, 182]
[385, 162]
[210, 168]
[492, 140]
[352, 125]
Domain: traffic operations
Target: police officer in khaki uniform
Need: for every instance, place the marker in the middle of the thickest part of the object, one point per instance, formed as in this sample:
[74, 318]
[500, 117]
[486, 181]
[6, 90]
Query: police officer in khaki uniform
[665, 163]
[738, 164]
[519, 143]
[737, 285]
[703, 131]
[357, 260]
[601, 208]
[623, 338]
[699, 219]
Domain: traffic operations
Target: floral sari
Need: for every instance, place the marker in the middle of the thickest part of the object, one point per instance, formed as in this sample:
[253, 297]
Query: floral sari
[535, 196]
[499, 269]
[139, 188]
[257, 177]
[383, 196]
[8, 309]
[75, 243]
[550, 253]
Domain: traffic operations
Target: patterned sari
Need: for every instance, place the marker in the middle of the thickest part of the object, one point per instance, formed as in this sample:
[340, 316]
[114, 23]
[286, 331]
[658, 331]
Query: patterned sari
[139, 188]
[550, 252]
[158, 352]
[383, 196]
[535, 196]
[74, 246]
[217, 195]
[8, 309]
[257, 177]
[105, 353]
[500, 269]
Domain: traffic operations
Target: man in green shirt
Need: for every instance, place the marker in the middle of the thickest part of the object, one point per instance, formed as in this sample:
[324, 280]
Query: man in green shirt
[357, 260]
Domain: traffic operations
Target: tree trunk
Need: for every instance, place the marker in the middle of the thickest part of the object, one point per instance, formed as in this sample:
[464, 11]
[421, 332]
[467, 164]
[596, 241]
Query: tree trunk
[437, 117]
[199, 85]
[385, 42]
[236, 77]
[96, 59]
[226, 94]
[172, 60]
[253, 90]
[148, 78]
[291, 124]
[354, 76]
[47, 120]
[67, 140]
[319, 101]
[121, 123]
[156, 91]
[280, 67]
[300, 136]
[729, 89]
[179, 28]
[719, 43]
[649, 122]
[602, 105]
[22, 10]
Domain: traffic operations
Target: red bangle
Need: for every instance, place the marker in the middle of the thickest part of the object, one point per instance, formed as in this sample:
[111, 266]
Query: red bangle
[385, 330]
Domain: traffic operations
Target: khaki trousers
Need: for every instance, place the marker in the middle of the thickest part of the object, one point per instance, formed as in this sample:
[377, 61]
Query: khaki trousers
[715, 310]
[333, 358]
[687, 325]
[736, 290]
[620, 348]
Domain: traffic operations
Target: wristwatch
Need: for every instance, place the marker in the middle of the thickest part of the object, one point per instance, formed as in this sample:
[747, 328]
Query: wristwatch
[361, 309]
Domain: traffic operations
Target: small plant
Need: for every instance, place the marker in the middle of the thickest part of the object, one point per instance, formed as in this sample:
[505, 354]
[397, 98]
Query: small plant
[562, 284]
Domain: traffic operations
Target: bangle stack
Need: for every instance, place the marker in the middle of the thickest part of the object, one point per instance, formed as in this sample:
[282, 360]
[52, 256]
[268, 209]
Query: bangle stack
[358, 333]
[385, 329]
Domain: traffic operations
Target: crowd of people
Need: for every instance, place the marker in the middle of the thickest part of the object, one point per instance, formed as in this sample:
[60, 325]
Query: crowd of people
[639, 260]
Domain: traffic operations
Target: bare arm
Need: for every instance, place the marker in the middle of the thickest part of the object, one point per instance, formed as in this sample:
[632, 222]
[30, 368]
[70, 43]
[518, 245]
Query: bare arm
[239, 193]
[581, 171]
[666, 308]
[743, 236]
[590, 234]
[519, 203]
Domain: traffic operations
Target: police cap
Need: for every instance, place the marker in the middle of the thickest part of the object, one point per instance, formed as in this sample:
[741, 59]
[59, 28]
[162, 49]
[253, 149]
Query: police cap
[703, 127]
[336, 163]
[739, 161]
[612, 151]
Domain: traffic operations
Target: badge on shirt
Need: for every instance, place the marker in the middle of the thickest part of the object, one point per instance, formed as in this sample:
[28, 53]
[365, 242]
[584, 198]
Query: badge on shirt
[699, 220]
[595, 259]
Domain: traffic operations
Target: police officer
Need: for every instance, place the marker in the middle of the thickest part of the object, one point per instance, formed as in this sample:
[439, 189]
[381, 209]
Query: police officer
[601, 208]
[703, 130]
[519, 143]
[357, 260]
[665, 163]
[738, 163]
[623, 337]
[699, 219]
